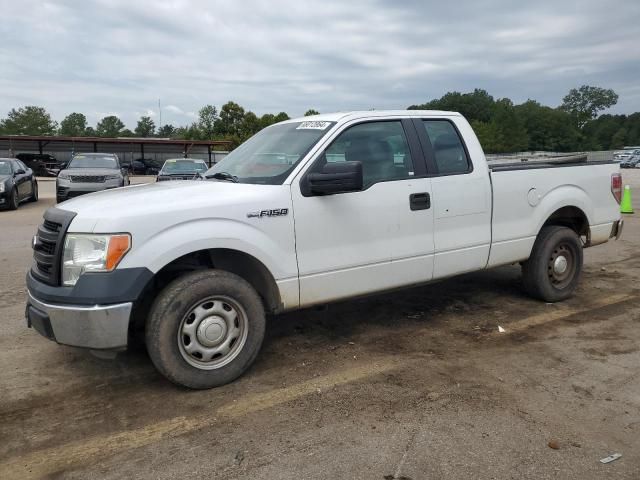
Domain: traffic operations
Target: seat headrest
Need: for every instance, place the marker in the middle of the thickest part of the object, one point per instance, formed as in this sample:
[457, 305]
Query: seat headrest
[446, 140]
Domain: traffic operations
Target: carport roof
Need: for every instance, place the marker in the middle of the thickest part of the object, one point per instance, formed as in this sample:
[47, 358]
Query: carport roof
[34, 143]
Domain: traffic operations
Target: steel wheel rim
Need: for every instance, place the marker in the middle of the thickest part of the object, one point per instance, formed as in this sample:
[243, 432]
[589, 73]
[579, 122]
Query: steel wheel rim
[561, 266]
[213, 332]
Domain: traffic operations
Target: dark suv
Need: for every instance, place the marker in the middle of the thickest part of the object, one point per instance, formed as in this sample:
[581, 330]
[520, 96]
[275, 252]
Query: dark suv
[42, 164]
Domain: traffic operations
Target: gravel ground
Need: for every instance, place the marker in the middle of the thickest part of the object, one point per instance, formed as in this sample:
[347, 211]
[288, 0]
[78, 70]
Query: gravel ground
[414, 385]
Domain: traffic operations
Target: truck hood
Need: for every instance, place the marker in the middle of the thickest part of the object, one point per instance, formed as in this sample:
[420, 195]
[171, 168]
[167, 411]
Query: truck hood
[174, 202]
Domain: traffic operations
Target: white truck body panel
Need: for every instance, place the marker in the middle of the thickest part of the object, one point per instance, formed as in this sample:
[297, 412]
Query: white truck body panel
[338, 246]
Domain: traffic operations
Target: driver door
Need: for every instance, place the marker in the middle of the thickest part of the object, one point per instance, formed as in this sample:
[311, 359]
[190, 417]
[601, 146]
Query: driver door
[370, 240]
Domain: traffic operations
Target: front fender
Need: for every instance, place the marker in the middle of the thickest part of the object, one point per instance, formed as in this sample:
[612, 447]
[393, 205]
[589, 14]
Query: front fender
[276, 252]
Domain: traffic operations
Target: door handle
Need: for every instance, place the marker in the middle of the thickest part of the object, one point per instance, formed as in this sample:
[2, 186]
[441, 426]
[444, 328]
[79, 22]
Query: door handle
[419, 201]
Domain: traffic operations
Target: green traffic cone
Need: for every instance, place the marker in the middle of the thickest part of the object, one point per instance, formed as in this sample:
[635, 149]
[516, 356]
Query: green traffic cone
[625, 204]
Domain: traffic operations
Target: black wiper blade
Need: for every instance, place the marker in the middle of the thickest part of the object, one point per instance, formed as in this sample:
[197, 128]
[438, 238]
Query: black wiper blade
[224, 176]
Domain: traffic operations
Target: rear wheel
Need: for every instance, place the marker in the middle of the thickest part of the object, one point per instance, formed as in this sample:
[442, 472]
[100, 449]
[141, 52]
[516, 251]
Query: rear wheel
[34, 192]
[553, 270]
[205, 329]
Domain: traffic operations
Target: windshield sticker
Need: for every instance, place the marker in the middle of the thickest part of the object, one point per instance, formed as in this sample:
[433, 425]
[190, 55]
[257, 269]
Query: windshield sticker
[313, 126]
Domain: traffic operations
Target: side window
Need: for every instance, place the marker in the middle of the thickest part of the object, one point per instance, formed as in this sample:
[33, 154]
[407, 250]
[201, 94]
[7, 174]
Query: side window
[448, 151]
[22, 165]
[381, 147]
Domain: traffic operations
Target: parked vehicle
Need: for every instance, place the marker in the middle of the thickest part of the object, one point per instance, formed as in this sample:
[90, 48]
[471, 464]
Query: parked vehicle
[631, 162]
[152, 167]
[626, 154]
[182, 169]
[88, 173]
[42, 164]
[306, 212]
[17, 183]
[135, 167]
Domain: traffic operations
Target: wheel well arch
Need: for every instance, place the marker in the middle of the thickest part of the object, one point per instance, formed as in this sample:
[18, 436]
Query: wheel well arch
[234, 261]
[571, 217]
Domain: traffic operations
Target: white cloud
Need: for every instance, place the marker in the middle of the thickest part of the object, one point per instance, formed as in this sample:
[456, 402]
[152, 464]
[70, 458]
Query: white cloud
[118, 55]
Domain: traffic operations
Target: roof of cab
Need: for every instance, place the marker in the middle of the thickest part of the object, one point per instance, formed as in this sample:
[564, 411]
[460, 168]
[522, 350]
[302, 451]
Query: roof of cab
[343, 116]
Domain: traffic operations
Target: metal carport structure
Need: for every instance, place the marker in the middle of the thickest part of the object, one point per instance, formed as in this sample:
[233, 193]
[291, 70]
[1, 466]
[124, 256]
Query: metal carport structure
[63, 147]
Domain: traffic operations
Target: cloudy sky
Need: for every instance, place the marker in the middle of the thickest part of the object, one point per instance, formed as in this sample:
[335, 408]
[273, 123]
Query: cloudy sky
[120, 56]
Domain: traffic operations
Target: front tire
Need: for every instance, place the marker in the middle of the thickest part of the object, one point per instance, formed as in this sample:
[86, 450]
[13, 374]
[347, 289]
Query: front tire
[553, 270]
[13, 200]
[205, 329]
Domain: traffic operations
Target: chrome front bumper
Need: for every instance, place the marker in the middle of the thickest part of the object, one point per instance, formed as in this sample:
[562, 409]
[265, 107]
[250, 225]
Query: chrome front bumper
[98, 327]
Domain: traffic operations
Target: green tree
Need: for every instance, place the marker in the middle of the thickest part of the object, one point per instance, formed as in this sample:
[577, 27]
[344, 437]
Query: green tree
[548, 129]
[267, 119]
[73, 125]
[166, 131]
[207, 118]
[29, 120]
[513, 133]
[190, 132]
[619, 138]
[231, 120]
[489, 136]
[584, 103]
[90, 132]
[310, 112]
[145, 127]
[281, 117]
[476, 105]
[250, 125]
[109, 126]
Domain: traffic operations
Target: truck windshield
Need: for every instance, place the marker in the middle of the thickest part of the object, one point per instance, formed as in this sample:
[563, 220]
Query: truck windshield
[270, 155]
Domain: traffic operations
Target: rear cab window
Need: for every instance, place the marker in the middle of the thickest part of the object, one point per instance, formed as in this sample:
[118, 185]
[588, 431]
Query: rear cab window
[449, 154]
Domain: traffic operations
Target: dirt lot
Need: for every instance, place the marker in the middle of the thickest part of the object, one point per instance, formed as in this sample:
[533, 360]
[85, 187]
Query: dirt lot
[413, 385]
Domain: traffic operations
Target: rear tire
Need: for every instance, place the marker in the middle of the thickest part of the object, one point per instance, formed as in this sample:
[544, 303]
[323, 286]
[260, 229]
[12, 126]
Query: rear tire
[205, 329]
[34, 192]
[553, 270]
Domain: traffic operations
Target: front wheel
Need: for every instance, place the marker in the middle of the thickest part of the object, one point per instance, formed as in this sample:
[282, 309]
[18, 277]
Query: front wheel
[205, 329]
[553, 270]
[13, 199]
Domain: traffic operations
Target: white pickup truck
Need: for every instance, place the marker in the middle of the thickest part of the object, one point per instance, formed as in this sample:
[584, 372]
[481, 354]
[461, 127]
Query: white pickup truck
[306, 212]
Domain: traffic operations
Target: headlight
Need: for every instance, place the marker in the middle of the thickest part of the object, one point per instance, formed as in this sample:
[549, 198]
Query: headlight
[113, 177]
[2, 187]
[63, 176]
[92, 253]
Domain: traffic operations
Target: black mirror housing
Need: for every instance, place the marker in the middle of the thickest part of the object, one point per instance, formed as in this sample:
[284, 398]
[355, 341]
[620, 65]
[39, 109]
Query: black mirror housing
[338, 177]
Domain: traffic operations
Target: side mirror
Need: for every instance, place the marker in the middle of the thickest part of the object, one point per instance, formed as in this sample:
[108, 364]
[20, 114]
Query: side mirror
[19, 172]
[338, 177]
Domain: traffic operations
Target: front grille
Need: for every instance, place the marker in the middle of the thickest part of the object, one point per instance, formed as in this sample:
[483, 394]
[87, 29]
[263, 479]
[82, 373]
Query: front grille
[47, 248]
[193, 176]
[87, 178]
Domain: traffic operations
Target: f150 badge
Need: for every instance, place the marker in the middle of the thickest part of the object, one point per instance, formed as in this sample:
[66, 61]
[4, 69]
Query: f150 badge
[276, 212]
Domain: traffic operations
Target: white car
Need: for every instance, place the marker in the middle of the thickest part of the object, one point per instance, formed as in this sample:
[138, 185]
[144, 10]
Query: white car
[308, 211]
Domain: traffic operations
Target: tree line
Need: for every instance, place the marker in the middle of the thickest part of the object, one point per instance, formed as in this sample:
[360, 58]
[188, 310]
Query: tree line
[501, 125]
